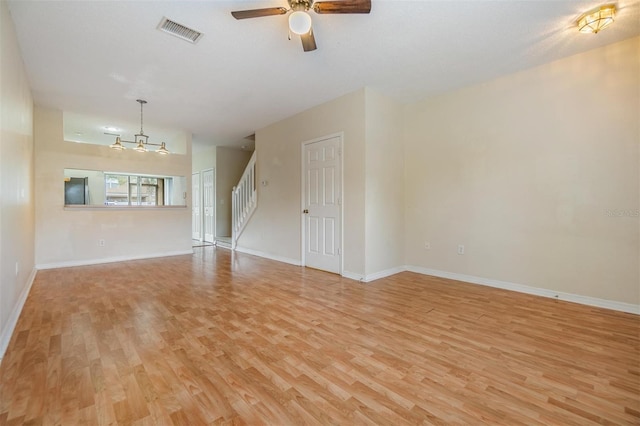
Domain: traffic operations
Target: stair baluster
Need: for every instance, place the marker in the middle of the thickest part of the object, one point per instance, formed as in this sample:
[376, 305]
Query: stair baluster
[244, 198]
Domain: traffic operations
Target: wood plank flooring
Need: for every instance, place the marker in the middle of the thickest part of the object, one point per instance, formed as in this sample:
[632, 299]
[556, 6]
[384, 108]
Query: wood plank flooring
[222, 338]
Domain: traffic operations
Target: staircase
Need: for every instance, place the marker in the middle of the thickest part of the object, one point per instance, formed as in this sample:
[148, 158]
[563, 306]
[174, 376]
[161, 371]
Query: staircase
[244, 198]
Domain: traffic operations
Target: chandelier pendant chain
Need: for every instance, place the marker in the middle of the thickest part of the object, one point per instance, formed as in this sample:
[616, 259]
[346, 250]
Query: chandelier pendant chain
[142, 102]
[141, 115]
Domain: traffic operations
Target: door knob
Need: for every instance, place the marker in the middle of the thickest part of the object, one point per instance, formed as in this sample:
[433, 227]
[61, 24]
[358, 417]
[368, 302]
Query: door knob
[305, 211]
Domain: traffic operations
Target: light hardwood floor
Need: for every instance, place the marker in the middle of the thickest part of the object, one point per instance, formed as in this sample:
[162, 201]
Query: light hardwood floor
[217, 338]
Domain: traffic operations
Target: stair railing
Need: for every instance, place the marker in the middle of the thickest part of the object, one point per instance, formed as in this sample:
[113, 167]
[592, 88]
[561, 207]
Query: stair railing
[244, 198]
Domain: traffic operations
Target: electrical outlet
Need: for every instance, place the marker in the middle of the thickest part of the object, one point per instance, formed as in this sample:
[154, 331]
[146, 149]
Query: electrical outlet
[460, 249]
[101, 243]
[17, 268]
[427, 246]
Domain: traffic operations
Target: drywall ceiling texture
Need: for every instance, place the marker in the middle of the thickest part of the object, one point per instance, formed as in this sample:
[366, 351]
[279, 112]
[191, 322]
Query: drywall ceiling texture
[536, 173]
[17, 220]
[96, 58]
[71, 236]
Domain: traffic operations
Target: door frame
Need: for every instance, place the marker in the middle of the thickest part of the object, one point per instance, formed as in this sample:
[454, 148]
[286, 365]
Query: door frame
[340, 136]
[199, 201]
[213, 197]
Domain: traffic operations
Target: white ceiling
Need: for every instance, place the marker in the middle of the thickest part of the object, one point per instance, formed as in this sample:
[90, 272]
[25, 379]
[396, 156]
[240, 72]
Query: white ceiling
[95, 58]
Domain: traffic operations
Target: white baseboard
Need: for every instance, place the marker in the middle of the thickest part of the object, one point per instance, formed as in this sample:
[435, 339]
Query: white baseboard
[12, 321]
[384, 274]
[353, 276]
[576, 298]
[375, 276]
[569, 297]
[277, 258]
[68, 264]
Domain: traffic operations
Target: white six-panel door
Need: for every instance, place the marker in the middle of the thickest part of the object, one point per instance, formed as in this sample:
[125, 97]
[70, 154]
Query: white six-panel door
[196, 220]
[322, 192]
[208, 205]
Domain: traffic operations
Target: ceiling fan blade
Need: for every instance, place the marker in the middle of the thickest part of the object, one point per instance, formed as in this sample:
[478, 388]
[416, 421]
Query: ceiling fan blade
[344, 6]
[308, 41]
[258, 13]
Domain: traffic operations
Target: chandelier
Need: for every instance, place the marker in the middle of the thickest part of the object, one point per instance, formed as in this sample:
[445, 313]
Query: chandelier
[141, 140]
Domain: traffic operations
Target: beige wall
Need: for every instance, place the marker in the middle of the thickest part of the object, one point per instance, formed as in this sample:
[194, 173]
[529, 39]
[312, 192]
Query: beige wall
[275, 226]
[17, 223]
[373, 196]
[203, 160]
[230, 164]
[70, 236]
[528, 172]
[384, 211]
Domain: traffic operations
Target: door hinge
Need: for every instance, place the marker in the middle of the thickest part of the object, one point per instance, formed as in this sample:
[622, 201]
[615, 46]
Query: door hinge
[339, 201]
[339, 251]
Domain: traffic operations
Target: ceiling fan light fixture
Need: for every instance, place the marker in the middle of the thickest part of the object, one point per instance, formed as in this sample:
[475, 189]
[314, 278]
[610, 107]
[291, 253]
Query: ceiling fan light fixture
[299, 19]
[300, 22]
[597, 19]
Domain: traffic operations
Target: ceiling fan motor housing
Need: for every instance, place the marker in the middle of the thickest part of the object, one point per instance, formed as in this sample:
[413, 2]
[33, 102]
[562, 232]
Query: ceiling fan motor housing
[297, 5]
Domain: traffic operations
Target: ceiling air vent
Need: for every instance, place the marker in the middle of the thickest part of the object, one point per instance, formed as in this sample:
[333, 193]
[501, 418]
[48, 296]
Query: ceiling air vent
[179, 30]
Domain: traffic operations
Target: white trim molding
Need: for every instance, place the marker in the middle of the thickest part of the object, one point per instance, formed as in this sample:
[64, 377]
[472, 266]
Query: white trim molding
[569, 297]
[269, 256]
[353, 276]
[72, 263]
[383, 274]
[12, 321]
[536, 291]
[375, 276]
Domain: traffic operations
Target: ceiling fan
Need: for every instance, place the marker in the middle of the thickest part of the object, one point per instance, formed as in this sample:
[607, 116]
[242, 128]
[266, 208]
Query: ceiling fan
[299, 19]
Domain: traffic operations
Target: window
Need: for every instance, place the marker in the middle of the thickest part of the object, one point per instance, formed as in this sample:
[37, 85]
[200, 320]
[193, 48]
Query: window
[116, 190]
[122, 189]
[130, 190]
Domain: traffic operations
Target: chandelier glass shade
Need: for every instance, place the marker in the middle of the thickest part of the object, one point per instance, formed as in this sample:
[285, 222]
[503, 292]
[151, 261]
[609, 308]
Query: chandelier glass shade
[117, 145]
